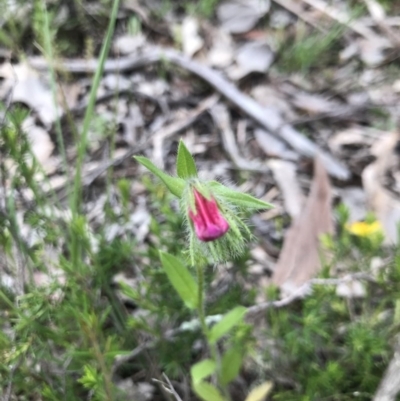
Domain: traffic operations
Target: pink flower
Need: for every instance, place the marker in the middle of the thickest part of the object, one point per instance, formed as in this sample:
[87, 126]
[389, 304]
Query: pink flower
[208, 222]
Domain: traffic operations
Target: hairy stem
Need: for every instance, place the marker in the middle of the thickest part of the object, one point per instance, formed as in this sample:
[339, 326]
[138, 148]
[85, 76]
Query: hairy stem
[202, 317]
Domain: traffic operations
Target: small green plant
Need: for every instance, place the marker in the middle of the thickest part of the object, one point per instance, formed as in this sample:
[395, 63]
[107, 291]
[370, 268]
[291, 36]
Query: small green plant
[217, 232]
[309, 50]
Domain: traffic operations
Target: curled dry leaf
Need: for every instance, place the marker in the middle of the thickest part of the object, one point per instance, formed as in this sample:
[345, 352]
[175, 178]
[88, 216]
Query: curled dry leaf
[314, 104]
[285, 175]
[191, 40]
[351, 289]
[373, 52]
[127, 44]
[270, 97]
[30, 89]
[389, 386]
[221, 53]
[251, 57]
[41, 144]
[299, 260]
[239, 16]
[353, 136]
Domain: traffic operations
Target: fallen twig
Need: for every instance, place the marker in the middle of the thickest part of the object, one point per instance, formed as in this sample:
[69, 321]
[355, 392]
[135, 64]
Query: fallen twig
[343, 18]
[378, 14]
[179, 125]
[303, 291]
[267, 117]
[168, 387]
[295, 8]
[221, 118]
[389, 386]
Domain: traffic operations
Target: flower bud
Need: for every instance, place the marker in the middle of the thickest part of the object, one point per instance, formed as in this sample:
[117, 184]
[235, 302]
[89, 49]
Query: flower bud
[209, 223]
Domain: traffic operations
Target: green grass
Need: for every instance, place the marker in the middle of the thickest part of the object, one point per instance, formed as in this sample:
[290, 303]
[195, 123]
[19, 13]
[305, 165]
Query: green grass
[310, 50]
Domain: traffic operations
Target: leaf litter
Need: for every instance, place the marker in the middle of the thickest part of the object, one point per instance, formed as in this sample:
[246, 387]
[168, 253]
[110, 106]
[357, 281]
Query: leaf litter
[230, 95]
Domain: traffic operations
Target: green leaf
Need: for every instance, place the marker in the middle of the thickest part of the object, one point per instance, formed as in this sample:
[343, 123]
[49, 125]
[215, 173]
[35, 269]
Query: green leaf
[174, 184]
[185, 165]
[230, 365]
[260, 392]
[207, 392]
[202, 369]
[230, 320]
[181, 279]
[237, 198]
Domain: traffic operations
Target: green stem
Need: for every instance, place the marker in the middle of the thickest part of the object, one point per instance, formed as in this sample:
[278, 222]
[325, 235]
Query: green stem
[202, 317]
[200, 301]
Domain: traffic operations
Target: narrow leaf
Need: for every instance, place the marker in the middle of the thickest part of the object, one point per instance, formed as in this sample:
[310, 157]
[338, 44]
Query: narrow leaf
[174, 184]
[180, 278]
[207, 392]
[185, 165]
[202, 370]
[237, 198]
[230, 320]
[260, 392]
[230, 365]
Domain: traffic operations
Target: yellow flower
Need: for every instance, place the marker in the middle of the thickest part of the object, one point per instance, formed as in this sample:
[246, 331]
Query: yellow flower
[364, 229]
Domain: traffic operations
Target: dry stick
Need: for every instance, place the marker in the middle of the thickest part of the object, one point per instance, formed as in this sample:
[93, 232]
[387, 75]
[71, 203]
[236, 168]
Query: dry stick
[169, 387]
[179, 125]
[222, 120]
[389, 386]
[378, 14]
[296, 9]
[303, 291]
[267, 117]
[343, 18]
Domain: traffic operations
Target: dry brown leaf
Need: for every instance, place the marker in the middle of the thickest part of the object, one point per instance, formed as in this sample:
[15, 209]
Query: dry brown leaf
[285, 176]
[389, 386]
[299, 260]
[239, 16]
[379, 199]
[313, 104]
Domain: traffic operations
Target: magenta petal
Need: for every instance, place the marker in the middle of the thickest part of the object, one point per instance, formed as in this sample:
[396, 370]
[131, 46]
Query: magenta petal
[209, 223]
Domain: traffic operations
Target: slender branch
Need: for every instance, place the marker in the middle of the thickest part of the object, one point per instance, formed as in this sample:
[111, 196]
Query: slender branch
[390, 384]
